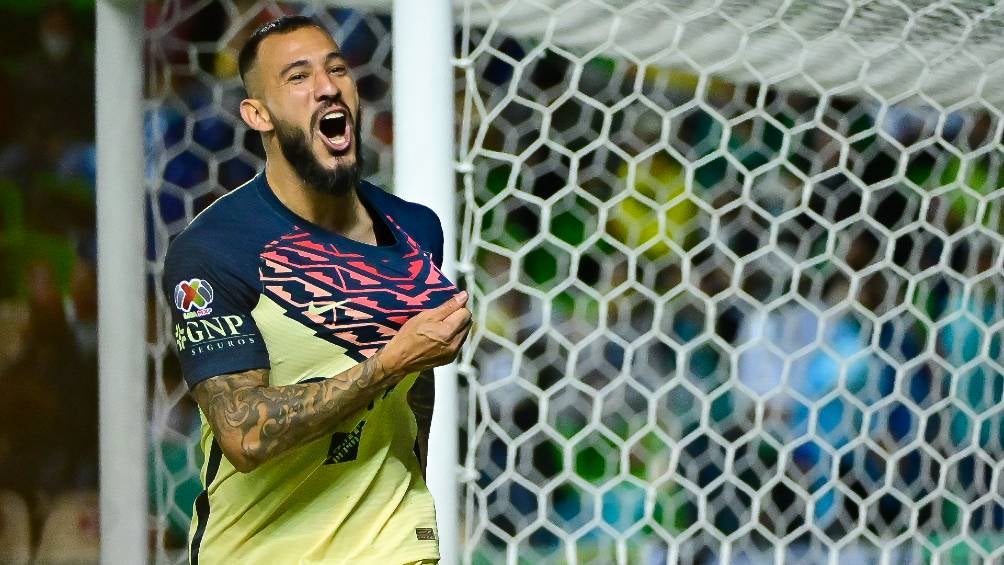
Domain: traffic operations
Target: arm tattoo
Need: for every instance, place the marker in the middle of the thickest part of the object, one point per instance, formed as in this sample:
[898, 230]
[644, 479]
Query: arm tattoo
[258, 421]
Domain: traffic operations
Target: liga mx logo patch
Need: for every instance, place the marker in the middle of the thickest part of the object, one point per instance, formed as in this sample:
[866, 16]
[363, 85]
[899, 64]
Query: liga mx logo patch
[193, 298]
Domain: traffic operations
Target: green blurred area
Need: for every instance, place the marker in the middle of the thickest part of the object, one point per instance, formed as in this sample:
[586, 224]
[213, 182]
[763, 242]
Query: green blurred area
[31, 234]
[36, 6]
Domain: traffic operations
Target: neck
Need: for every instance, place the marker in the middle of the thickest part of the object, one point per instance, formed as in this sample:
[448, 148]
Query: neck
[341, 214]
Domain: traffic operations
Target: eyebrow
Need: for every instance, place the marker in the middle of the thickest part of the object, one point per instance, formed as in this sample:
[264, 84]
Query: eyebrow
[294, 64]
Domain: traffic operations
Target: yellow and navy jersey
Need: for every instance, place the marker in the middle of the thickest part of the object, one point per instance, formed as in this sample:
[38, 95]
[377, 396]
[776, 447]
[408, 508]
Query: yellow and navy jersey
[253, 286]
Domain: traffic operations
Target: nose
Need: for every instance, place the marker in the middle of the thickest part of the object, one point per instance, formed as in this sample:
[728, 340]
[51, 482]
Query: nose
[325, 86]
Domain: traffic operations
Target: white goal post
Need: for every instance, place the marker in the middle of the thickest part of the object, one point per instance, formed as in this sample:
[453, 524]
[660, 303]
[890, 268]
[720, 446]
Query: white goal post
[121, 273]
[735, 266]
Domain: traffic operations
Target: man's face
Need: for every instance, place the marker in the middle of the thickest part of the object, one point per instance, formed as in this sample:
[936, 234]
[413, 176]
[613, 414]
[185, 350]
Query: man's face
[302, 79]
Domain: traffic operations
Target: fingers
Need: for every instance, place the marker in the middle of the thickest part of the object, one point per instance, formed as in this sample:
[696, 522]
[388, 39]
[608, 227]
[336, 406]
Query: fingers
[462, 329]
[466, 332]
[459, 339]
[449, 307]
[456, 321]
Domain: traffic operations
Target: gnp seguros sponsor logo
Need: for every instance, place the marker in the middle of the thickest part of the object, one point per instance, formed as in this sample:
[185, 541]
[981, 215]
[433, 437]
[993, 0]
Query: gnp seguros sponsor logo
[211, 334]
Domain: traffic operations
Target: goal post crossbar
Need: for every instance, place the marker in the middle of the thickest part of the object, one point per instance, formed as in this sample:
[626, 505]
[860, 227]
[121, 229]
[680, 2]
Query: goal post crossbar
[880, 48]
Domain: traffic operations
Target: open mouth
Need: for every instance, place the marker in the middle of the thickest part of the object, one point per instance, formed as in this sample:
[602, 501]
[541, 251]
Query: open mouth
[335, 130]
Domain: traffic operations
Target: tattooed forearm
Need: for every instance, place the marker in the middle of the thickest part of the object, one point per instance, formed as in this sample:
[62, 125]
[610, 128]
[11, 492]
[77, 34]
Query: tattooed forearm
[253, 422]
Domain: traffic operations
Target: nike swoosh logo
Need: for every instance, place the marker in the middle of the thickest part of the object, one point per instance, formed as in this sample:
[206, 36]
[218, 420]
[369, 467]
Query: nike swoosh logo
[318, 310]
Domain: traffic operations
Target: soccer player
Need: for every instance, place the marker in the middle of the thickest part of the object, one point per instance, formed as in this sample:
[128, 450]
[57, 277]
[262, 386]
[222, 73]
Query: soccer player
[308, 310]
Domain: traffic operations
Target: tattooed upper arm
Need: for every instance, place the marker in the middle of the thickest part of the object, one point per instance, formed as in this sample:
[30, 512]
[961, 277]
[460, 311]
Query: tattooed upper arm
[229, 414]
[209, 390]
[253, 422]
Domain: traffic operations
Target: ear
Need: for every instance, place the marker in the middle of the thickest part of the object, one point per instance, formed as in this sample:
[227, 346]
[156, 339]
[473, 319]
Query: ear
[256, 115]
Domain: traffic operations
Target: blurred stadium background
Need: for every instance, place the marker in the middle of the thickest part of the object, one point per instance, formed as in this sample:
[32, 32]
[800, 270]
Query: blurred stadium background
[736, 268]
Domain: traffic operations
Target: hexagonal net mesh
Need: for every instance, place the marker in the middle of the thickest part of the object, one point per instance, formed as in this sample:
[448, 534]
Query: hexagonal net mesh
[737, 270]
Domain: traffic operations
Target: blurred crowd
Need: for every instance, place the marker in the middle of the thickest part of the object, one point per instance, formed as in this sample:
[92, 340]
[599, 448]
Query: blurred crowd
[48, 308]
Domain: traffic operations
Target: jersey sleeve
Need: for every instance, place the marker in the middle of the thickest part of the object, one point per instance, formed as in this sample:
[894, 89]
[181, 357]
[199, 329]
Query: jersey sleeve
[431, 238]
[211, 304]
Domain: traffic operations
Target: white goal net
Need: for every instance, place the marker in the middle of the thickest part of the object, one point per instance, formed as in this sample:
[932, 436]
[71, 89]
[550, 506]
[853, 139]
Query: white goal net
[735, 268]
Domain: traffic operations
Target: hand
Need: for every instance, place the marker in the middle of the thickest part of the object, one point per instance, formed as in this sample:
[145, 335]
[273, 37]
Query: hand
[429, 339]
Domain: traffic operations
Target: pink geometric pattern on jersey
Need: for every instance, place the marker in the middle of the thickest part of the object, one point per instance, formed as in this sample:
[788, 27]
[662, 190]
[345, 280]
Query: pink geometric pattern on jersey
[348, 299]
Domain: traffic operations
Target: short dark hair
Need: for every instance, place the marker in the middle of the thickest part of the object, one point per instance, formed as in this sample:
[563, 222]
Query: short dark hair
[283, 24]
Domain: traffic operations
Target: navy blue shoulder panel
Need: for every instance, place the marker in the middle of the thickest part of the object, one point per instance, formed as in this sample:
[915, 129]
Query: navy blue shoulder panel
[418, 221]
[211, 280]
[230, 233]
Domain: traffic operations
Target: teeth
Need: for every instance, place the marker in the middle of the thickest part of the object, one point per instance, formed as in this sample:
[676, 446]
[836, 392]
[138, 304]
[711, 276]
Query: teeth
[341, 123]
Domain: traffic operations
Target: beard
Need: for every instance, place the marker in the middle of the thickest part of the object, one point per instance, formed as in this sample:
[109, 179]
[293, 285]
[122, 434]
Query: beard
[295, 147]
